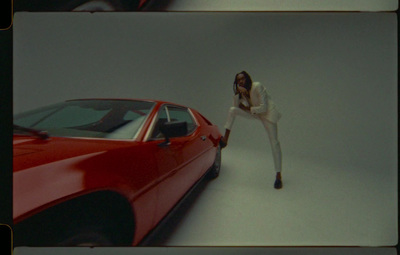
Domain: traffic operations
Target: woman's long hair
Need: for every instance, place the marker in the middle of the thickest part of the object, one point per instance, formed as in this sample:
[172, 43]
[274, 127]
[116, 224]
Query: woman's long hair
[247, 85]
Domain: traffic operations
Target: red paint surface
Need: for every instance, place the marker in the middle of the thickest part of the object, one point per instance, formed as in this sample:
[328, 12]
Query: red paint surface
[152, 178]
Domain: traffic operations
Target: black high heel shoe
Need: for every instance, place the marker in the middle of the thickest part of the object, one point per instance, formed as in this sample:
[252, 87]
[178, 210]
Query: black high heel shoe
[278, 184]
[222, 143]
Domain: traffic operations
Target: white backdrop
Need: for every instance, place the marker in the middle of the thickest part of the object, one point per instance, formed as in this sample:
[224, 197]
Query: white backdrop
[332, 75]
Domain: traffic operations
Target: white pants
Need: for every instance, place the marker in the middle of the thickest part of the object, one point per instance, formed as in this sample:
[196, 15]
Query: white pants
[272, 130]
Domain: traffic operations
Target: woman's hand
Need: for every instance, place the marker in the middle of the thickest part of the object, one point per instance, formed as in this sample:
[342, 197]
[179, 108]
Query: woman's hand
[241, 90]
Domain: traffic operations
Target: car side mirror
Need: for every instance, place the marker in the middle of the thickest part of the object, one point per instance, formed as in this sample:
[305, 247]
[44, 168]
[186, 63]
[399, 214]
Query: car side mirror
[173, 129]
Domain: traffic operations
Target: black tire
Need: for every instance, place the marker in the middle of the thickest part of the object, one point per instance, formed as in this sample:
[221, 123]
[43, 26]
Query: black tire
[89, 237]
[76, 5]
[216, 167]
[71, 232]
[64, 235]
[101, 5]
[98, 219]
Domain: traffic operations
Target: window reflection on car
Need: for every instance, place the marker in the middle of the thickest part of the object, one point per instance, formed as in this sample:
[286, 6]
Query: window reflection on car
[111, 119]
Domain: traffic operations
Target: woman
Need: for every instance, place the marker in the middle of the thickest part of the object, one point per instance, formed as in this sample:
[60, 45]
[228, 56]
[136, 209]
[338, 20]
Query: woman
[251, 100]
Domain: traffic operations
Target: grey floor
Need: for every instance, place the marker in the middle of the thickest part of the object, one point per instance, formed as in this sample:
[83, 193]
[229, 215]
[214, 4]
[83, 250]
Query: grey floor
[283, 5]
[320, 204]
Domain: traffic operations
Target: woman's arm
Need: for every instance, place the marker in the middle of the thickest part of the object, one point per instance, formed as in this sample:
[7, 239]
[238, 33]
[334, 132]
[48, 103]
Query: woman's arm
[262, 96]
[236, 100]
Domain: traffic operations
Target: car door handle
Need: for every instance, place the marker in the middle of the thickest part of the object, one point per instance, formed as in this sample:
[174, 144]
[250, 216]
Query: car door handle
[203, 137]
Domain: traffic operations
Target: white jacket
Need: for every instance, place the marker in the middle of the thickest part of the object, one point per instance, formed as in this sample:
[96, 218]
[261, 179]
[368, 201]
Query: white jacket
[260, 103]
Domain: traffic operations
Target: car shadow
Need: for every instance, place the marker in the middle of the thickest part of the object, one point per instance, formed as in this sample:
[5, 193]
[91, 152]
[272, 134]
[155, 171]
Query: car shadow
[157, 5]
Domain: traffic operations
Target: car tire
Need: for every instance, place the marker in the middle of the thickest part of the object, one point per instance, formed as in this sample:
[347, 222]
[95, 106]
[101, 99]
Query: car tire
[102, 5]
[65, 235]
[216, 167]
[96, 219]
[76, 5]
[90, 237]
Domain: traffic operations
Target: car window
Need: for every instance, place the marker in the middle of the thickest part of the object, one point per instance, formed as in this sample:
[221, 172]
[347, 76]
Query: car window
[172, 114]
[112, 119]
[161, 119]
[182, 114]
[30, 120]
[72, 116]
[132, 115]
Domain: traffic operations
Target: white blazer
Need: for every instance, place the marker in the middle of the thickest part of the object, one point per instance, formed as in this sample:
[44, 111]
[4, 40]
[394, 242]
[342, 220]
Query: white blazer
[260, 103]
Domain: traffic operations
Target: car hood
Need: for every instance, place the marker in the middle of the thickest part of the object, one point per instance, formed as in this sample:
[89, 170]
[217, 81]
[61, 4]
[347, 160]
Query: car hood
[30, 152]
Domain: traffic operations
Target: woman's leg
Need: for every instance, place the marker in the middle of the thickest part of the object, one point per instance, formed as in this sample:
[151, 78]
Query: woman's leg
[224, 140]
[233, 112]
[272, 130]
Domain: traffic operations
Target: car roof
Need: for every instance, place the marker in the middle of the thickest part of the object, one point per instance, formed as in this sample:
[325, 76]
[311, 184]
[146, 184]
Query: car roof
[128, 99]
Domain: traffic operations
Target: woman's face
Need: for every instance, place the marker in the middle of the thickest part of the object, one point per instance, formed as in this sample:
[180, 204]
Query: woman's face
[241, 81]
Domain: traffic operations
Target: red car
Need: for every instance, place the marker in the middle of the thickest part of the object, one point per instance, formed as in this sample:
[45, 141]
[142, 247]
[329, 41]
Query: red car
[106, 171]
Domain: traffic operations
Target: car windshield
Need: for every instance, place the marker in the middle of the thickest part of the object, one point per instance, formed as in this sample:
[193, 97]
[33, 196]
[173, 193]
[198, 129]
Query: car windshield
[112, 119]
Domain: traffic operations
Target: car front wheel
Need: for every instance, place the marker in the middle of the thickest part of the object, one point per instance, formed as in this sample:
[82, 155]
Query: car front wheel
[88, 238]
[216, 167]
[102, 5]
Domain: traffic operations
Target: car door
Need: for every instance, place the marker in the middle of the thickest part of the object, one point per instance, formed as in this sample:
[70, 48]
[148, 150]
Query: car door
[177, 166]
